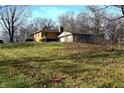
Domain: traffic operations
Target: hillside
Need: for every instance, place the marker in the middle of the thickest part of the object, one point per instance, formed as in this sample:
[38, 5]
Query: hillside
[60, 65]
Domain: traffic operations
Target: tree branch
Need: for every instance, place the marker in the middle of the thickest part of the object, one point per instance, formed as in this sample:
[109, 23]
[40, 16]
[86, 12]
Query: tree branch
[116, 18]
[102, 8]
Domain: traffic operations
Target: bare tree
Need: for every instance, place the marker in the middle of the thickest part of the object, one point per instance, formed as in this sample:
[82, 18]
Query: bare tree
[21, 34]
[26, 31]
[98, 19]
[121, 7]
[39, 23]
[4, 35]
[115, 32]
[115, 27]
[68, 21]
[84, 23]
[11, 19]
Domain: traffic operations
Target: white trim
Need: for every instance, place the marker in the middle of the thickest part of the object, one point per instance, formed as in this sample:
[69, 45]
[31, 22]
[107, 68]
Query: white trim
[63, 34]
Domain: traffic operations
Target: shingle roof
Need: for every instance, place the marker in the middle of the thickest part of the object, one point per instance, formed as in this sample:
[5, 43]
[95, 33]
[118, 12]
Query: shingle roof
[51, 30]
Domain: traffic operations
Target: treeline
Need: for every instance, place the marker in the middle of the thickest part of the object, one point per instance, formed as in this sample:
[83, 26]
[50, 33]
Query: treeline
[17, 24]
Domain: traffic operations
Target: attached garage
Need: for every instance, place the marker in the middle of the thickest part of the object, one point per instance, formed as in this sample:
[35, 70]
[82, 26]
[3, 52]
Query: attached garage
[66, 37]
[76, 37]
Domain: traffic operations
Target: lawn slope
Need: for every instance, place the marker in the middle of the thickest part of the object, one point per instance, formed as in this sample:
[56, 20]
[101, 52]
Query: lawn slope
[60, 65]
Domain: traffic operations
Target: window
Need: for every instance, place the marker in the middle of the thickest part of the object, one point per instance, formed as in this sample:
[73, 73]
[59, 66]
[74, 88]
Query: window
[87, 37]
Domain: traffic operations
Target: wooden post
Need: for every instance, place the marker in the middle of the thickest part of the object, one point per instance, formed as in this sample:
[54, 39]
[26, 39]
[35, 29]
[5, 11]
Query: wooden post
[45, 36]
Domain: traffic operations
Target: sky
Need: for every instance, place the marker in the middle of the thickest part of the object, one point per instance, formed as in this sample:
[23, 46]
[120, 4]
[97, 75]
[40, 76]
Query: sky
[53, 11]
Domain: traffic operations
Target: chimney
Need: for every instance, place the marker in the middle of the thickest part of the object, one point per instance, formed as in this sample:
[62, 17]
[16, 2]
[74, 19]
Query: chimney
[61, 29]
[45, 28]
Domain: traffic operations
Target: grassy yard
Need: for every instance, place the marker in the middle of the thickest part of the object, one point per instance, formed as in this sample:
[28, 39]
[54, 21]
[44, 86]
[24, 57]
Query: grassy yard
[60, 65]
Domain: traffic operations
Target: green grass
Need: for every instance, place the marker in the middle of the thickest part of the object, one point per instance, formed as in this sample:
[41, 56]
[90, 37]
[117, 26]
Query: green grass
[60, 65]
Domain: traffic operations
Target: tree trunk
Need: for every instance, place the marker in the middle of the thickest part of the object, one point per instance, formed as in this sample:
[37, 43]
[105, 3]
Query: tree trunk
[11, 39]
[11, 35]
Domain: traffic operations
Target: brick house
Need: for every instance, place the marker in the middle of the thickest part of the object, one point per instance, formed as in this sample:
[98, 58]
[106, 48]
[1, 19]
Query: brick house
[46, 35]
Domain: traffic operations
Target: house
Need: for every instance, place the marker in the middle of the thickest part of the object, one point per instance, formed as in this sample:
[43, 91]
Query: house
[76, 37]
[46, 35]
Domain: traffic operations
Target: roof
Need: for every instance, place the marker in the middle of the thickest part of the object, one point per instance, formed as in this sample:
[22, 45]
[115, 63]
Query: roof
[50, 31]
[63, 34]
[35, 32]
[80, 33]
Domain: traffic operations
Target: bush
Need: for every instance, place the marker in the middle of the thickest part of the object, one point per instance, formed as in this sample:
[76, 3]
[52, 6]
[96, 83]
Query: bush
[1, 41]
[29, 40]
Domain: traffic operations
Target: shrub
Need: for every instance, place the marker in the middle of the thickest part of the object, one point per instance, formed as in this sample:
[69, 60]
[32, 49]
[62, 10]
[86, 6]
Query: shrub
[1, 41]
[29, 40]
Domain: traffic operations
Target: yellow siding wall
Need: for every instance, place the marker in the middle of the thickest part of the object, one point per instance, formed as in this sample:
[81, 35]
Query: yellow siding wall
[37, 36]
